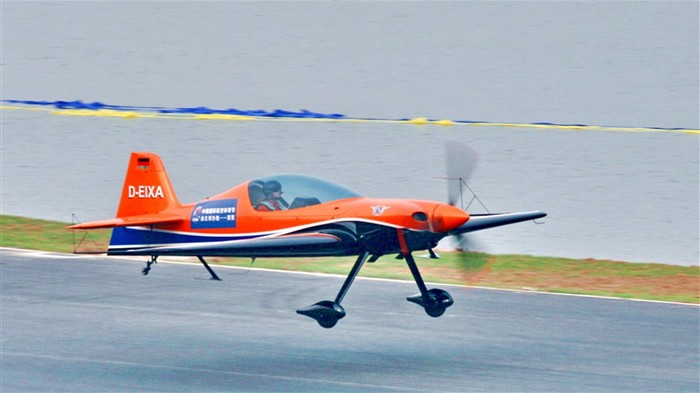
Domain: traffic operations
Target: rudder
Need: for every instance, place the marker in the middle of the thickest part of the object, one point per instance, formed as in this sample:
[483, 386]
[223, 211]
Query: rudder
[147, 188]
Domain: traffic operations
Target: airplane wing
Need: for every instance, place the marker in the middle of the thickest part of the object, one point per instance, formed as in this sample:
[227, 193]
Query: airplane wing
[478, 222]
[144, 219]
[269, 246]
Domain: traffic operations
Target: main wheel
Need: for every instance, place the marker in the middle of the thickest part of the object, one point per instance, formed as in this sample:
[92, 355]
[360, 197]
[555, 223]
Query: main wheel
[435, 308]
[327, 321]
[438, 302]
[326, 313]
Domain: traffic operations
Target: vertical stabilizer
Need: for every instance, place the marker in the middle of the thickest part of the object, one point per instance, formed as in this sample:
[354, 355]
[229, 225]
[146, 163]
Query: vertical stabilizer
[147, 189]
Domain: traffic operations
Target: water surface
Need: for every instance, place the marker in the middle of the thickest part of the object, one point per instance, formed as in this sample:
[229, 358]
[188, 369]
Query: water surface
[626, 196]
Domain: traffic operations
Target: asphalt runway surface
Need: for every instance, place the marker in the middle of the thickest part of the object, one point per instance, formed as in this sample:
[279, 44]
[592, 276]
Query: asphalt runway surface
[76, 323]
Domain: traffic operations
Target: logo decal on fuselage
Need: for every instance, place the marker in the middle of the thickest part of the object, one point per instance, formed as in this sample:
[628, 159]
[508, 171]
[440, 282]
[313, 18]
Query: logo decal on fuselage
[145, 192]
[214, 214]
[379, 210]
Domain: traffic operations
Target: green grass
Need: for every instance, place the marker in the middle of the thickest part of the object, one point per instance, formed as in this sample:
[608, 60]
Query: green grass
[589, 267]
[651, 281]
[35, 234]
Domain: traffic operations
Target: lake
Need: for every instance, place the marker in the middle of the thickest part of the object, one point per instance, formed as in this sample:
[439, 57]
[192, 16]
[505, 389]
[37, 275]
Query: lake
[610, 195]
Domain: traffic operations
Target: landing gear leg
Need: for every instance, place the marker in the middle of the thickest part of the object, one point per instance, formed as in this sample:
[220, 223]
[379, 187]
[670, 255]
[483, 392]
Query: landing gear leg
[147, 269]
[434, 301]
[211, 272]
[326, 312]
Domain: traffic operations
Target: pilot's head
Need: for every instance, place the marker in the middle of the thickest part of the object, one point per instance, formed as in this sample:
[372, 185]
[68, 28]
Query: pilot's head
[272, 187]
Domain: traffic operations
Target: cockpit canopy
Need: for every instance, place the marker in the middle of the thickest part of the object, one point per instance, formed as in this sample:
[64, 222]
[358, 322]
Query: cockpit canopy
[296, 191]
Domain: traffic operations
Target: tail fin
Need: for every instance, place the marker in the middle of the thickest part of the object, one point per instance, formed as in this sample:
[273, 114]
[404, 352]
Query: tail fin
[146, 195]
[147, 189]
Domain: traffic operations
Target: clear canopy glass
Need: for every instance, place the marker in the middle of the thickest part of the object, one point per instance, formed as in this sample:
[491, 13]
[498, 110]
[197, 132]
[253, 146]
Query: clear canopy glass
[282, 192]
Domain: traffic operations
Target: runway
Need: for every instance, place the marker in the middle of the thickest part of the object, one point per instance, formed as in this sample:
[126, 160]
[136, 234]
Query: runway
[76, 323]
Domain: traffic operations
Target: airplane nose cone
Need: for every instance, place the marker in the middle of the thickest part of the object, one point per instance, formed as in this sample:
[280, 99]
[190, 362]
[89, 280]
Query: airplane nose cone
[446, 218]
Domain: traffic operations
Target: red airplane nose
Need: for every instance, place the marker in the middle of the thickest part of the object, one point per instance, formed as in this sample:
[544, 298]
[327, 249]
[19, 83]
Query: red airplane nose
[446, 218]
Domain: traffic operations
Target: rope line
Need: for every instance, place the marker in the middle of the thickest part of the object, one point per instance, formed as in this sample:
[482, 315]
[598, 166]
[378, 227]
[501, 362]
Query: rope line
[79, 108]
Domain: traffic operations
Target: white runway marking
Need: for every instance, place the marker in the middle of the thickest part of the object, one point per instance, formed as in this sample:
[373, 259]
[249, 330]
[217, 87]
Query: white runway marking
[77, 359]
[45, 254]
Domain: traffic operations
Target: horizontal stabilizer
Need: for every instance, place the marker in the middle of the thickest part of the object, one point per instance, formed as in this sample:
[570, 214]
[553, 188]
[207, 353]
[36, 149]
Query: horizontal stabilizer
[478, 222]
[263, 246]
[144, 219]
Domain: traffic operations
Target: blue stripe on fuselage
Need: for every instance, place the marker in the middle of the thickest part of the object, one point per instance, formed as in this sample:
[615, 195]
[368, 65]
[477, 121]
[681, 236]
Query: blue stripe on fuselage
[141, 237]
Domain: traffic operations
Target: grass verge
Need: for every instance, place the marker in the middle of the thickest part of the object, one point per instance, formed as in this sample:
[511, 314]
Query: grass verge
[649, 281]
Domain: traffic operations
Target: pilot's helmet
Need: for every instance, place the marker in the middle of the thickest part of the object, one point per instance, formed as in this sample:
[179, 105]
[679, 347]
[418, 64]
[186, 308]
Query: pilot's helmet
[271, 186]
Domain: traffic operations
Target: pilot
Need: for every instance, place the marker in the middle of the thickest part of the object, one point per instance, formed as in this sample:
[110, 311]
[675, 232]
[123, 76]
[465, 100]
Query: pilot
[273, 197]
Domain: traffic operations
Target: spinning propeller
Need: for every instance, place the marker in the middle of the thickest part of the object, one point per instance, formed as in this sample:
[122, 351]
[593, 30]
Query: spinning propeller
[461, 160]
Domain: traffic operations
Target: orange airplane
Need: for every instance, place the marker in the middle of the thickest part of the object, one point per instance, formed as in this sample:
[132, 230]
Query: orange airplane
[286, 216]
